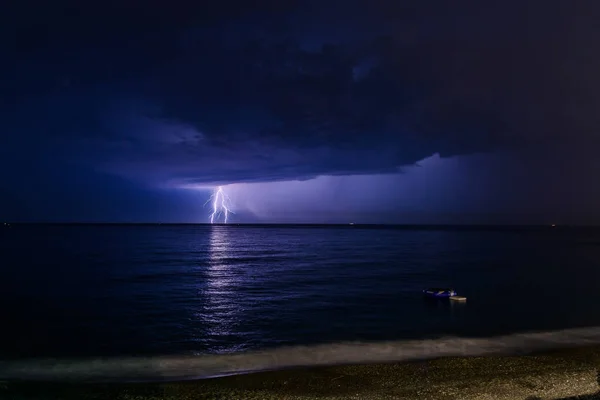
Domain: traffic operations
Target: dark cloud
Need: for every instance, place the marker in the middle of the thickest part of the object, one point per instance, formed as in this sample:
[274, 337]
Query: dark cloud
[291, 90]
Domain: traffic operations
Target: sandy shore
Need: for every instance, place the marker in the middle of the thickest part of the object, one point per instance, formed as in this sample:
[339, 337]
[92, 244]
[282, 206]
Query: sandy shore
[564, 374]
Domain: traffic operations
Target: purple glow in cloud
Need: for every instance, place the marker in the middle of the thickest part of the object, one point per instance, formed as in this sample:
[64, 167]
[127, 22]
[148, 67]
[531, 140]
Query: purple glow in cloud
[480, 188]
[358, 198]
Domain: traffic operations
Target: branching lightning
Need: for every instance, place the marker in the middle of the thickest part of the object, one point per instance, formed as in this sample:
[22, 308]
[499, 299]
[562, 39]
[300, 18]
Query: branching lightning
[220, 205]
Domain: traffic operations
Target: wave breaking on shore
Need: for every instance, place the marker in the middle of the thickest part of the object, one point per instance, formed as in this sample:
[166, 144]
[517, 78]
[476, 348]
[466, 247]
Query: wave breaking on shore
[173, 368]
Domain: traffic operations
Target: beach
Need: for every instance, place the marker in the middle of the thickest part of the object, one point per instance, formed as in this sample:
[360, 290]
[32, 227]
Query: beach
[558, 374]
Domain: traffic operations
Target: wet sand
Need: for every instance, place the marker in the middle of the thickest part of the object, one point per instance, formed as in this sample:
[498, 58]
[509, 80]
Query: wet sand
[561, 374]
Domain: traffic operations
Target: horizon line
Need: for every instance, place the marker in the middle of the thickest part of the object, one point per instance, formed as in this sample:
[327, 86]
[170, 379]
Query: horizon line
[506, 225]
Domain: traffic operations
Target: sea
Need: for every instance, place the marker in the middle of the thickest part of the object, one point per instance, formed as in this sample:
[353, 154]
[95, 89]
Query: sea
[291, 294]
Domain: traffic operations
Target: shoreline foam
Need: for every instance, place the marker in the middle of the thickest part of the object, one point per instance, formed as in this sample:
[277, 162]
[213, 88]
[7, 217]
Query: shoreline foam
[565, 374]
[178, 368]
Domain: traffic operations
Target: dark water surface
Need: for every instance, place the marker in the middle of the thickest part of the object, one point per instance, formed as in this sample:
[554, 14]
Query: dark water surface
[144, 290]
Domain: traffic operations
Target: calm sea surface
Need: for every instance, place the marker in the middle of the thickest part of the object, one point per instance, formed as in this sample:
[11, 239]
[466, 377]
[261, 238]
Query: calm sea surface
[150, 290]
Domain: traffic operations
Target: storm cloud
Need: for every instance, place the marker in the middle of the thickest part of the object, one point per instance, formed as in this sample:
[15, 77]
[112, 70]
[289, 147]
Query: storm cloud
[379, 106]
[294, 92]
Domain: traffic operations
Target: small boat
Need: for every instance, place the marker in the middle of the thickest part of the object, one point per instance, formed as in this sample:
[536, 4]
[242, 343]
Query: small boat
[439, 293]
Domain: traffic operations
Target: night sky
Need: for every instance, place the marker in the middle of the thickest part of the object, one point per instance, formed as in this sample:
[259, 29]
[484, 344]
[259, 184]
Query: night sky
[323, 111]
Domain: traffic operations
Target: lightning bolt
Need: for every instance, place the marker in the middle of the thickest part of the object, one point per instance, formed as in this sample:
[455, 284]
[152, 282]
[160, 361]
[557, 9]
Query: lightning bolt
[220, 206]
